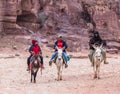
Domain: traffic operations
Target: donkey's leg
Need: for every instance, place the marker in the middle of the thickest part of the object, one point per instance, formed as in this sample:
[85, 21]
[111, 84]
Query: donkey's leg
[35, 74]
[95, 71]
[95, 75]
[35, 77]
[58, 73]
[61, 75]
[31, 75]
[98, 72]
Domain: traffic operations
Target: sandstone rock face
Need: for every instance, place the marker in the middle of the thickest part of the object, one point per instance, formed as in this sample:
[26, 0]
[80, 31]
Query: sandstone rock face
[71, 18]
[7, 14]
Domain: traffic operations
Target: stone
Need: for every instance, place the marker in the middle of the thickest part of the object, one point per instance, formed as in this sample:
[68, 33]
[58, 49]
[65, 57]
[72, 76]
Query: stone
[14, 47]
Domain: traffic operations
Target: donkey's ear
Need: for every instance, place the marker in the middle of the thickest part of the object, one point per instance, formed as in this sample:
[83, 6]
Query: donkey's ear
[94, 46]
[101, 45]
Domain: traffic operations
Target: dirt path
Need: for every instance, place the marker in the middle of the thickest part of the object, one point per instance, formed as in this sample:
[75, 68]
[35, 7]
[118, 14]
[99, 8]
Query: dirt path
[77, 78]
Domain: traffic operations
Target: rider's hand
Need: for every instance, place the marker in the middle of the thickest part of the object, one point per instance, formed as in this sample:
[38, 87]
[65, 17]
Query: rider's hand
[32, 52]
[63, 48]
[56, 48]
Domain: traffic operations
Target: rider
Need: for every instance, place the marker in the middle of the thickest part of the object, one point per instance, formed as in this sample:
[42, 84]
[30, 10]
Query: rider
[60, 43]
[96, 39]
[34, 49]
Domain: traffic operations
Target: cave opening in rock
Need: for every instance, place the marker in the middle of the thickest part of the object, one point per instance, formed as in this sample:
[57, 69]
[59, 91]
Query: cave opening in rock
[30, 17]
[26, 18]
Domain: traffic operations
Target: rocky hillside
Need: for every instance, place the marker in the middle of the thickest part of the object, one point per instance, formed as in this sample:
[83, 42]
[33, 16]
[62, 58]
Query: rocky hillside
[71, 18]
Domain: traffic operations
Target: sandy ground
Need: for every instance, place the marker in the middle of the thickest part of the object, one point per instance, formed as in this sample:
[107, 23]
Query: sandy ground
[77, 78]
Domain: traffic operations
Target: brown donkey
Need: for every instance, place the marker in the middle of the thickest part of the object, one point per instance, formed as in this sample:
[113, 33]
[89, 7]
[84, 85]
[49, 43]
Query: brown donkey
[35, 65]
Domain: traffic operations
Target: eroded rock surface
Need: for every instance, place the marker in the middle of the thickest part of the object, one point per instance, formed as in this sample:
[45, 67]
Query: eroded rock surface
[72, 18]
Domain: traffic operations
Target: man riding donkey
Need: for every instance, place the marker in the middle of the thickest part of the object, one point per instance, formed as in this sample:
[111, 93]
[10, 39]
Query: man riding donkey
[34, 49]
[96, 40]
[60, 44]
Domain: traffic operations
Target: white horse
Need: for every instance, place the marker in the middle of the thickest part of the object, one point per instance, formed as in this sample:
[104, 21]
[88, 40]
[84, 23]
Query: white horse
[97, 60]
[59, 64]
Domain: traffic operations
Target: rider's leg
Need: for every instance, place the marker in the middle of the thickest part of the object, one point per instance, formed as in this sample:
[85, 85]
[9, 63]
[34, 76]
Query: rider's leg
[28, 62]
[30, 65]
[65, 56]
[104, 56]
[31, 61]
[53, 55]
[41, 57]
[66, 59]
[52, 58]
[39, 61]
[90, 55]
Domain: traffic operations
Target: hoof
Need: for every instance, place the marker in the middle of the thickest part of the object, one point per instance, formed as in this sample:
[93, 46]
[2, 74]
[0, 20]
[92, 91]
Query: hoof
[95, 76]
[60, 78]
[98, 77]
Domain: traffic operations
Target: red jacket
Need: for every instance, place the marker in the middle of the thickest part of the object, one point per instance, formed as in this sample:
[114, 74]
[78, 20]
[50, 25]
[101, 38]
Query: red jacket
[36, 49]
[59, 44]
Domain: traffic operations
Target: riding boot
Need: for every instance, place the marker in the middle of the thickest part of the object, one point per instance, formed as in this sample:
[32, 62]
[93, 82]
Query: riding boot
[106, 62]
[66, 65]
[50, 62]
[28, 62]
[28, 68]
[104, 57]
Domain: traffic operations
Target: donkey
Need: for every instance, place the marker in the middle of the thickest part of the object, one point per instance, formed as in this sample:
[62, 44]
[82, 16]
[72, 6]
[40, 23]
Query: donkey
[35, 65]
[59, 63]
[97, 60]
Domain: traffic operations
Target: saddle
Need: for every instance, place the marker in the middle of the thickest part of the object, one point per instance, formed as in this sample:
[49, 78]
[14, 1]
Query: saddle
[37, 59]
